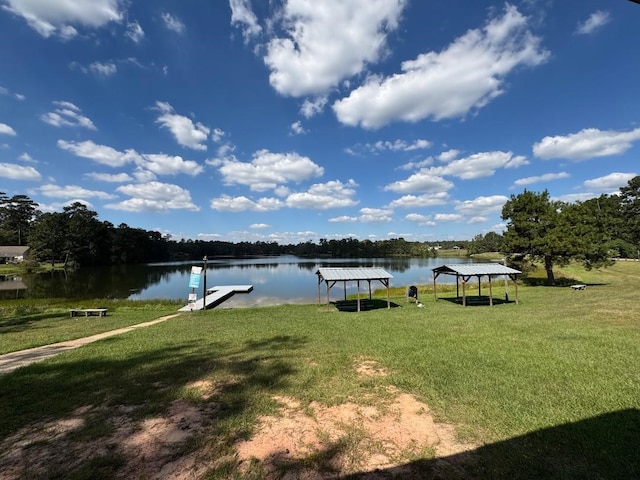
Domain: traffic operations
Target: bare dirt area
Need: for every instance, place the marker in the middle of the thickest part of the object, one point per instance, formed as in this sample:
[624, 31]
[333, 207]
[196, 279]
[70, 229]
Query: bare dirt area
[378, 437]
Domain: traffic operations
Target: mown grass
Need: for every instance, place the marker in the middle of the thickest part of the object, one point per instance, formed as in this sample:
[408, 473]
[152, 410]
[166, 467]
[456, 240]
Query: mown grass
[35, 322]
[550, 387]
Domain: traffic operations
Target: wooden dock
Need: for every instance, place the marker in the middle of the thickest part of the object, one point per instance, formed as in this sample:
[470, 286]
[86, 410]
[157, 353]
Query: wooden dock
[217, 295]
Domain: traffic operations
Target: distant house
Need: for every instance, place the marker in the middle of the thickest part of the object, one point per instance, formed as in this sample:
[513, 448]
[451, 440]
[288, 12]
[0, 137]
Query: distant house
[13, 254]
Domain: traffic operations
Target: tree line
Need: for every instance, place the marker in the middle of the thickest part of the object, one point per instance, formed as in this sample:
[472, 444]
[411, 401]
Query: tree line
[538, 229]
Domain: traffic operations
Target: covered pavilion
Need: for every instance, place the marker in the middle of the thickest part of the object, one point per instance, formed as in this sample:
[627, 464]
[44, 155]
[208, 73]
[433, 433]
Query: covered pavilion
[465, 272]
[332, 275]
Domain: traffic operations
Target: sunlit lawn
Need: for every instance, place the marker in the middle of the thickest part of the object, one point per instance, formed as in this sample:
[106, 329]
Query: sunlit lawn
[550, 387]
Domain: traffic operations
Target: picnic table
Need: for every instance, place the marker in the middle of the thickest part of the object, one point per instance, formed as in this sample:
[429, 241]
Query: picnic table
[77, 312]
[579, 287]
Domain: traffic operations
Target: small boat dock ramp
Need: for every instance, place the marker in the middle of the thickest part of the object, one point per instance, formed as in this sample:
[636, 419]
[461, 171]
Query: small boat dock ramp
[215, 296]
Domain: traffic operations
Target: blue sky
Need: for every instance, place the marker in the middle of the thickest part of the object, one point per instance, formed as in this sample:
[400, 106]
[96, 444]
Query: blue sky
[294, 120]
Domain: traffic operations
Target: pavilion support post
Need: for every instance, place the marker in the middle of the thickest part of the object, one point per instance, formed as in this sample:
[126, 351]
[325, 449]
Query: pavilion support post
[464, 293]
[435, 296]
[388, 296]
[479, 287]
[490, 292]
[358, 288]
[344, 284]
[319, 282]
[327, 283]
[458, 286]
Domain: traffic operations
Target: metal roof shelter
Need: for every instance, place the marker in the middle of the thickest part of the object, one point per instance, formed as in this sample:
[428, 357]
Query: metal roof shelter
[333, 275]
[469, 270]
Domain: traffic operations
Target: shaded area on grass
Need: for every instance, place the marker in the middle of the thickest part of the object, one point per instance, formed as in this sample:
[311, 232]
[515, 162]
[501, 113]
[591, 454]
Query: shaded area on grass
[351, 305]
[140, 381]
[478, 301]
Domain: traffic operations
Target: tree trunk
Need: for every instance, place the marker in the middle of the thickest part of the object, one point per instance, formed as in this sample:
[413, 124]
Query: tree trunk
[548, 266]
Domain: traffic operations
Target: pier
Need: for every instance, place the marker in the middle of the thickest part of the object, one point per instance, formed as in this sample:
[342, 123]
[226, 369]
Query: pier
[215, 296]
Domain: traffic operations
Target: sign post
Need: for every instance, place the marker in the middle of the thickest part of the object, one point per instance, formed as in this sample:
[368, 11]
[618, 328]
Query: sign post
[194, 282]
[204, 295]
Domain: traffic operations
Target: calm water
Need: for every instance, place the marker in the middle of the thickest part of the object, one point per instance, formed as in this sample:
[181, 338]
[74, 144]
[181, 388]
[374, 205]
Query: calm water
[284, 279]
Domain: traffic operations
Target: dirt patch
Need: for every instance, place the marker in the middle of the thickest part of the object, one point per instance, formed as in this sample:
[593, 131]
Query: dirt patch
[387, 432]
[322, 442]
[144, 449]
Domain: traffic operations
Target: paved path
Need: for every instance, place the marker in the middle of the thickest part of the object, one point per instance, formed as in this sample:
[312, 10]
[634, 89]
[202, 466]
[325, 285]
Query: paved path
[13, 360]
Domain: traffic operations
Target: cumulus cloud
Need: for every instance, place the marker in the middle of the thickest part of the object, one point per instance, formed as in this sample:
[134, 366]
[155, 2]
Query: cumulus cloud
[327, 42]
[188, 134]
[297, 128]
[595, 21]
[367, 215]
[479, 165]
[481, 206]
[72, 191]
[7, 130]
[420, 201]
[586, 144]
[609, 183]
[100, 153]
[50, 18]
[227, 203]
[467, 75]
[153, 197]
[67, 115]
[18, 172]
[325, 196]
[268, 170]
[162, 164]
[423, 181]
[547, 177]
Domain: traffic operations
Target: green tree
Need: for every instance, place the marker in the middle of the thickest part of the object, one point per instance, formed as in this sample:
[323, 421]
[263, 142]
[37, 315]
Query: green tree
[553, 233]
[16, 215]
[47, 237]
[630, 210]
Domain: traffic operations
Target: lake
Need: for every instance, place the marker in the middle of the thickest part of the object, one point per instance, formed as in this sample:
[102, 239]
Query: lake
[276, 280]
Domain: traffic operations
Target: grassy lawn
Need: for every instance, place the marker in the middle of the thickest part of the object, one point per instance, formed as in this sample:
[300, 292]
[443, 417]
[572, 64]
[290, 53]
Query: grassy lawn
[548, 388]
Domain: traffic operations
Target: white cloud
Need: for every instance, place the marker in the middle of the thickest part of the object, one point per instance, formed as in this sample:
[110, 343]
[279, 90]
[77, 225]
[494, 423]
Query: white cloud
[135, 32]
[242, 15]
[7, 130]
[547, 177]
[449, 155]
[594, 22]
[259, 226]
[153, 163]
[420, 201]
[325, 196]
[480, 165]
[327, 42]
[297, 128]
[467, 75]
[481, 205]
[71, 191]
[226, 203]
[422, 220]
[183, 129]
[311, 108]
[154, 197]
[586, 144]
[18, 172]
[422, 181]
[609, 183]
[48, 17]
[25, 157]
[100, 153]
[268, 170]
[110, 178]
[447, 217]
[103, 69]
[367, 215]
[162, 164]
[67, 115]
[173, 23]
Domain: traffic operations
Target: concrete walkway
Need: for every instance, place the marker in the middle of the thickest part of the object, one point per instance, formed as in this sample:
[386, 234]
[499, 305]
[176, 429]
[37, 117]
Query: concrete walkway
[13, 360]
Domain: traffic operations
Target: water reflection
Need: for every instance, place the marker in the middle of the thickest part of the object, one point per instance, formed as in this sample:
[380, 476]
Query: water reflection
[283, 279]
